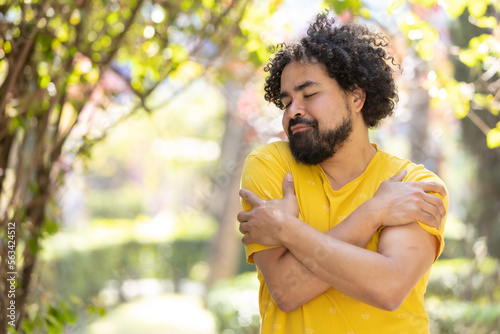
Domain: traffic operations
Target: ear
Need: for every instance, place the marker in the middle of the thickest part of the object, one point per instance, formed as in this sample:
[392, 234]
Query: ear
[359, 97]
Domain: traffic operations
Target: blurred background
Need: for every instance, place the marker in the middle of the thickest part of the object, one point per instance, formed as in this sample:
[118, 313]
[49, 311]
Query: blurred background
[124, 126]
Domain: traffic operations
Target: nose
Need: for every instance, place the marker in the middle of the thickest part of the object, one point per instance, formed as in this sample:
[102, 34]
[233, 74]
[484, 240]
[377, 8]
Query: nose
[296, 109]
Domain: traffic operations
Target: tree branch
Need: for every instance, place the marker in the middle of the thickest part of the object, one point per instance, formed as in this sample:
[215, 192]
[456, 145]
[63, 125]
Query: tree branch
[117, 40]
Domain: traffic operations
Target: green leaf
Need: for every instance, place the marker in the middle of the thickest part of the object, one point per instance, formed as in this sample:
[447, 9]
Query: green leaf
[484, 100]
[33, 245]
[425, 3]
[394, 5]
[365, 12]
[179, 53]
[34, 188]
[461, 109]
[51, 228]
[17, 122]
[477, 8]
[12, 330]
[487, 22]
[493, 138]
[469, 57]
[112, 18]
[455, 7]
[208, 3]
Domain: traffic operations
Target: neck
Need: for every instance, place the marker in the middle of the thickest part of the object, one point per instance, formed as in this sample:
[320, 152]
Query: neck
[349, 162]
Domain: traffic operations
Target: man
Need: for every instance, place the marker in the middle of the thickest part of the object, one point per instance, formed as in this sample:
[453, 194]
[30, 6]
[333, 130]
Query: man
[341, 244]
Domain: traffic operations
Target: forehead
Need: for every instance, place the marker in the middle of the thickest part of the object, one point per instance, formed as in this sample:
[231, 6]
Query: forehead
[296, 73]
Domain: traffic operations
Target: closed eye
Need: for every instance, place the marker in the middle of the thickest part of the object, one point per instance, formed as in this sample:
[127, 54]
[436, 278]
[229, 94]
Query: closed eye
[306, 96]
[286, 105]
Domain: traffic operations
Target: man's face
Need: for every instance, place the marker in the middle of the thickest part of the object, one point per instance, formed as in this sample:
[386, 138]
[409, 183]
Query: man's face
[317, 117]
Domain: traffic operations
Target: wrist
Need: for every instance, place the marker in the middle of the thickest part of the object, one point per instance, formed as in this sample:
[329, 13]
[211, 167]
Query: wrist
[372, 214]
[290, 230]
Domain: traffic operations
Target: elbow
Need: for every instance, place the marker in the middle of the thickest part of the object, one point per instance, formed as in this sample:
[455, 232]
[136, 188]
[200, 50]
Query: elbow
[389, 300]
[287, 307]
[284, 302]
[391, 304]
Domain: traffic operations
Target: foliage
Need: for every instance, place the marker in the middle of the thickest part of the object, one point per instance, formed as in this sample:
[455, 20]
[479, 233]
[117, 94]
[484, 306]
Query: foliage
[111, 253]
[131, 260]
[480, 52]
[234, 302]
[423, 22]
[462, 297]
[466, 280]
[70, 70]
[109, 265]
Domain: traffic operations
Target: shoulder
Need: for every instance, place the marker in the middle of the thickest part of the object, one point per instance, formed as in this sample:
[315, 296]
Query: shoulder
[416, 172]
[276, 155]
[265, 168]
[274, 149]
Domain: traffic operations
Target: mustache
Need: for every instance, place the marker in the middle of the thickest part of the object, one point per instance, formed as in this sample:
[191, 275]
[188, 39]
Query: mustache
[301, 120]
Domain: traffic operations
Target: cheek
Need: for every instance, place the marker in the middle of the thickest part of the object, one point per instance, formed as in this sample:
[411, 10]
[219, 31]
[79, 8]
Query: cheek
[284, 122]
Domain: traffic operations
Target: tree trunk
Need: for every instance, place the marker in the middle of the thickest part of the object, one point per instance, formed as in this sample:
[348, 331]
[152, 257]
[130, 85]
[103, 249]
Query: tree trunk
[225, 203]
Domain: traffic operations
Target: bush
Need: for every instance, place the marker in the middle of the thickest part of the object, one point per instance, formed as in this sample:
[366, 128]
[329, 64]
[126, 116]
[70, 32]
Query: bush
[235, 304]
[465, 280]
[85, 273]
[463, 296]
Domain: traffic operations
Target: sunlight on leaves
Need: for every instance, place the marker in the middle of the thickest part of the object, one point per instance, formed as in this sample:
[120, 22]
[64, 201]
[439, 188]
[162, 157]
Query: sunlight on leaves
[493, 138]
[421, 33]
[477, 8]
[455, 8]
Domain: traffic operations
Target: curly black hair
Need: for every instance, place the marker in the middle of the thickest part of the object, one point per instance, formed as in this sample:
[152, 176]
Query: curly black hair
[352, 54]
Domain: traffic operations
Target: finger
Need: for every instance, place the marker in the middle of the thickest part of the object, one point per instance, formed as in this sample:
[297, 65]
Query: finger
[244, 228]
[288, 186]
[428, 219]
[433, 187]
[246, 239]
[251, 198]
[437, 202]
[243, 216]
[399, 176]
[431, 215]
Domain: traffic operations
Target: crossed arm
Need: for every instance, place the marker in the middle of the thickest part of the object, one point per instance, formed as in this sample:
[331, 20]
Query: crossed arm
[311, 262]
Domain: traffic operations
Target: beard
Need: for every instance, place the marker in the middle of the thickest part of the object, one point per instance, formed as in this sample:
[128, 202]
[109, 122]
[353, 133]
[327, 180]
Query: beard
[311, 146]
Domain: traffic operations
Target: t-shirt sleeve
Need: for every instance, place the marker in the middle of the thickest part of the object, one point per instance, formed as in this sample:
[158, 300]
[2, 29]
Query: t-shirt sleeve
[263, 174]
[425, 175]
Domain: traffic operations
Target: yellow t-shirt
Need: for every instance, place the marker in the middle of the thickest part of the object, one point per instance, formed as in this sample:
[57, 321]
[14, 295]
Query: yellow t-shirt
[323, 208]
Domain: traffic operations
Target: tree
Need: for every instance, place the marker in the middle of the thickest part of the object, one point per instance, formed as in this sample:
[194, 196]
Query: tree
[69, 71]
[470, 81]
[456, 43]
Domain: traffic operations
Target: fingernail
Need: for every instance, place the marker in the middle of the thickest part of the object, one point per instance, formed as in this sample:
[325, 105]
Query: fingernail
[289, 177]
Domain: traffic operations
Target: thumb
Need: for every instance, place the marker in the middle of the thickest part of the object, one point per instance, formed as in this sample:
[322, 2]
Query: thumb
[288, 186]
[399, 176]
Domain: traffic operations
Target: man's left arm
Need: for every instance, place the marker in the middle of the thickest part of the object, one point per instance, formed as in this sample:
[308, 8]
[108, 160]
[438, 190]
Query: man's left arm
[382, 279]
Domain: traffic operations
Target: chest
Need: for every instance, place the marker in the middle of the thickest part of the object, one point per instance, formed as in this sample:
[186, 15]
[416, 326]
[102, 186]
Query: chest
[323, 208]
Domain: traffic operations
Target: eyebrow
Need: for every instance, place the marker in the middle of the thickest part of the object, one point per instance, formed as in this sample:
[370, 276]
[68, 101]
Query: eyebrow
[298, 88]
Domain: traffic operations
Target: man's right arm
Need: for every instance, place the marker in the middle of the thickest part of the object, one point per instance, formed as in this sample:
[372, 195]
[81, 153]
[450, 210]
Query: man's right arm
[292, 284]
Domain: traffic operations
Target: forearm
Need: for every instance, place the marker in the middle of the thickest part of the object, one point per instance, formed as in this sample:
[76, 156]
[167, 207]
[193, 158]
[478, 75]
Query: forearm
[358, 228]
[293, 284]
[381, 279]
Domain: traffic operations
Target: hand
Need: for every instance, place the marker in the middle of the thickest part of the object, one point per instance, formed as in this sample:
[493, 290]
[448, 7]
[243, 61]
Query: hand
[264, 223]
[401, 203]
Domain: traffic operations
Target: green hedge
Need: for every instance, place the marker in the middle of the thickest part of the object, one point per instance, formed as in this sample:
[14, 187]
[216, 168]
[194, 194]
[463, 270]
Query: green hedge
[85, 273]
[463, 297]
[234, 302]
